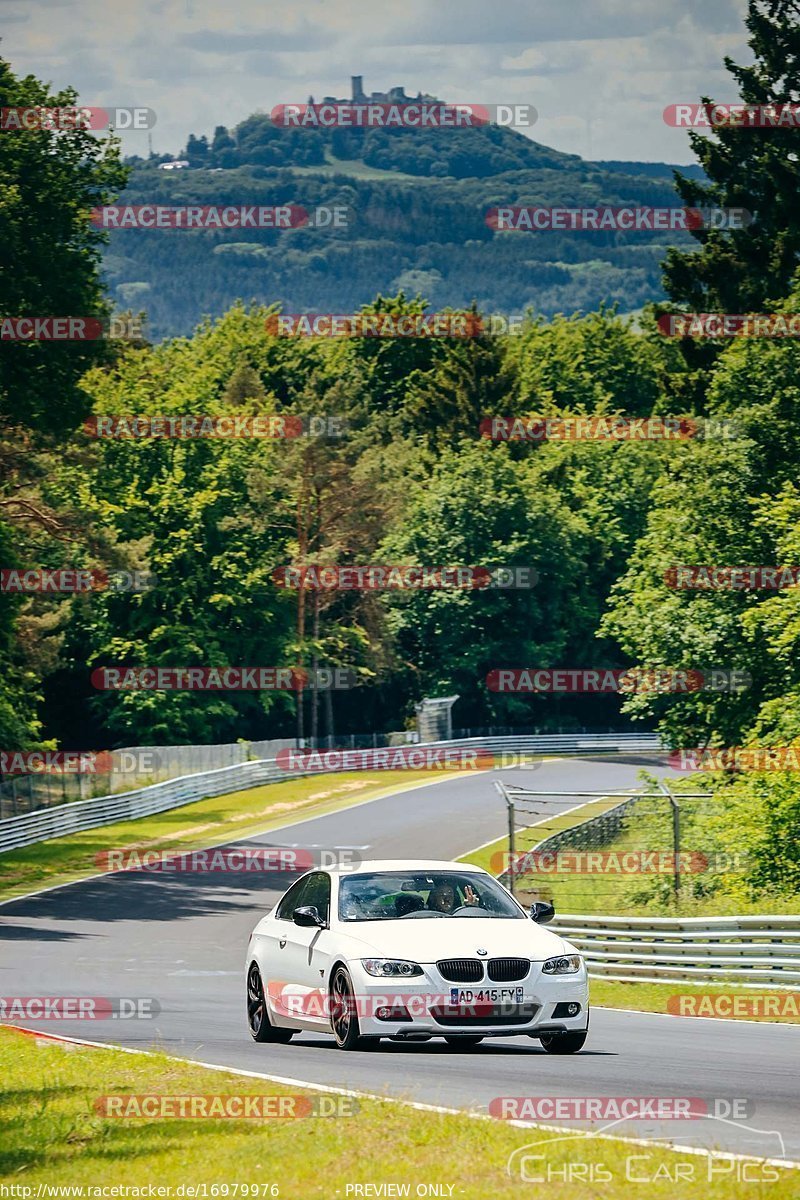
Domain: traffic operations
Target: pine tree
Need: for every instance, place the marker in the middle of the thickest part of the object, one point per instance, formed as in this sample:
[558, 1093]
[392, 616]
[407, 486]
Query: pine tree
[757, 169]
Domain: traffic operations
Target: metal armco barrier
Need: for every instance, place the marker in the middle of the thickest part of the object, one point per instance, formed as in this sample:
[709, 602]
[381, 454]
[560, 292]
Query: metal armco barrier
[64, 819]
[746, 951]
[106, 810]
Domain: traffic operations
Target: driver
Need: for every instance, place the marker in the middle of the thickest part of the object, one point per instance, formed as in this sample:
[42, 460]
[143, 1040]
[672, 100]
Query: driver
[442, 898]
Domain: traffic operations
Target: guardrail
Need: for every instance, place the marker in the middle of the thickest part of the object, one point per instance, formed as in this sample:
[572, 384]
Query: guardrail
[47, 823]
[562, 743]
[131, 767]
[747, 951]
[75, 816]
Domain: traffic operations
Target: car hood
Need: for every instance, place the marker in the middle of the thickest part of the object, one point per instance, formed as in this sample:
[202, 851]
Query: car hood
[426, 940]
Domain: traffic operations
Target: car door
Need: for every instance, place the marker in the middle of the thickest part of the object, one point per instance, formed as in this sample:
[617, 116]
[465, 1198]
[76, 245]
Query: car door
[303, 954]
[270, 942]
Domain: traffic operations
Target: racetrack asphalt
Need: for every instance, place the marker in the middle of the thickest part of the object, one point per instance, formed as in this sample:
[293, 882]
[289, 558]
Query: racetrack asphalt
[181, 939]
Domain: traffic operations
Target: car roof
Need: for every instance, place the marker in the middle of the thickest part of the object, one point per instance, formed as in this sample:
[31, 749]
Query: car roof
[391, 865]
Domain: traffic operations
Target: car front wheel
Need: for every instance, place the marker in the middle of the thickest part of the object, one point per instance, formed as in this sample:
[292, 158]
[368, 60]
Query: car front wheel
[344, 1018]
[564, 1043]
[261, 1029]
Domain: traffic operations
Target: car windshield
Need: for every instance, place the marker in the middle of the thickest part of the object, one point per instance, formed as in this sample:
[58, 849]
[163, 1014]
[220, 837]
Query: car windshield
[409, 895]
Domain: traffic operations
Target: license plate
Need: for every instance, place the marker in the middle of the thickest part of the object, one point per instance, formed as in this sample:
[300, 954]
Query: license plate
[510, 995]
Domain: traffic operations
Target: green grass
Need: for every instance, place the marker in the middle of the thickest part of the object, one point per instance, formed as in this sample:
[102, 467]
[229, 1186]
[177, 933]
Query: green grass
[52, 1135]
[204, 823]
[357, 169]
[655, 997]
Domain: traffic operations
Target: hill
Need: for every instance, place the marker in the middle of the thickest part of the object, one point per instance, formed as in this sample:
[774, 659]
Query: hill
[418, 200]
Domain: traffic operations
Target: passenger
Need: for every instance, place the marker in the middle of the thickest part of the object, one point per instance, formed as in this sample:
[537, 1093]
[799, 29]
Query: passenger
[407, 904]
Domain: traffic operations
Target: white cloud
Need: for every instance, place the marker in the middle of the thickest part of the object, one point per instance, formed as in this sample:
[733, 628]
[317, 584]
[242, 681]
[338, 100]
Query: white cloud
[614, 63]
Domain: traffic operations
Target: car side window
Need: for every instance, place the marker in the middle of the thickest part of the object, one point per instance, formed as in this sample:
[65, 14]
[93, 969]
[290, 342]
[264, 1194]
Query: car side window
[319, 894]
[293, 899]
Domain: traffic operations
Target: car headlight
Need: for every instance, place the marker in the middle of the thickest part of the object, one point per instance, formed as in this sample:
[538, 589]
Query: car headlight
[388, 967]
[567, 965]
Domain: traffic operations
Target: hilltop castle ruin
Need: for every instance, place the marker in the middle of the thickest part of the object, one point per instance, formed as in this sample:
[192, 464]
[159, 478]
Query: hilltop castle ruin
[395, 95]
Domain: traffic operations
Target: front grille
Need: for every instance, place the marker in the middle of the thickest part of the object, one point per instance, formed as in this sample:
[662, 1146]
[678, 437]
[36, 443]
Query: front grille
[461, 970]
[502, 970]
[484, 1014]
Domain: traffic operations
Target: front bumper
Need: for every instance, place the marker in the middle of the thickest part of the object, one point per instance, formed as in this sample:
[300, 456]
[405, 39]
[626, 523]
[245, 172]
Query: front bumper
[429, 1010]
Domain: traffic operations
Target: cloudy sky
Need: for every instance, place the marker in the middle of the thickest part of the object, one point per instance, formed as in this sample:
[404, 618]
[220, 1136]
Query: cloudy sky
[599, 72]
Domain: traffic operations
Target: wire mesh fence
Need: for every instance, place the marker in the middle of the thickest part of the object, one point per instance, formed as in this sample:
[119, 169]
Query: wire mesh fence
[596, 852]
[25, 793]
[133, 767]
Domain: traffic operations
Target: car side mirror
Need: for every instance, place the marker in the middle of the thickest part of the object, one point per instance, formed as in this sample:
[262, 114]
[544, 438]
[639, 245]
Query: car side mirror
[542, 912]
[308, 917]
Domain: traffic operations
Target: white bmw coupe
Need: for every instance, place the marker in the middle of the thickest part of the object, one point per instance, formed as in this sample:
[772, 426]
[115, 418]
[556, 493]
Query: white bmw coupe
[412, 950]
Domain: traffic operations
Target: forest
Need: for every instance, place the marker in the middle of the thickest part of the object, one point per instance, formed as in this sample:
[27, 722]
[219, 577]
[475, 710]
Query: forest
[387, 460]
[417, 202]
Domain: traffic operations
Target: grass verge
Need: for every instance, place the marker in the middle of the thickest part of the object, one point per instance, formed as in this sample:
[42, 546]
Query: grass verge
[737, 1003]
[200, 824]
[53, 1136]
